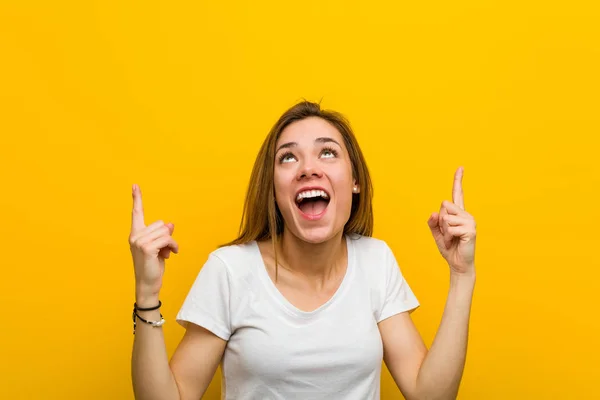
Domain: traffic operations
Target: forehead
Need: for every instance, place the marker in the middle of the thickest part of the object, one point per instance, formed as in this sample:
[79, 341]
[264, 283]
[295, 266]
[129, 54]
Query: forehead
[304, 132]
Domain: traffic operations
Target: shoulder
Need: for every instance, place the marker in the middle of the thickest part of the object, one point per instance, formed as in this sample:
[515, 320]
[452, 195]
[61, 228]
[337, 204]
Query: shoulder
[370, 247]
[236, 260]
[235, 252]
[374, 256]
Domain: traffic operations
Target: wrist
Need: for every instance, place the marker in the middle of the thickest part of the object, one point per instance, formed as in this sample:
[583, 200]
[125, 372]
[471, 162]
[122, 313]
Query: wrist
[146, 301]
[463, 279]
[462, 272]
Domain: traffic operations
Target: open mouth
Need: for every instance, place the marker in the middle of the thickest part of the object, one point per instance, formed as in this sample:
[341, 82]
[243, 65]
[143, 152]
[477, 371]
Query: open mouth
[312, 202]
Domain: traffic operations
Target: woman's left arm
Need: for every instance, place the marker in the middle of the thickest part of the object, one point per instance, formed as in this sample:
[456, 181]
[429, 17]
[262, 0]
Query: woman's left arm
[433, 374]
[436, 374]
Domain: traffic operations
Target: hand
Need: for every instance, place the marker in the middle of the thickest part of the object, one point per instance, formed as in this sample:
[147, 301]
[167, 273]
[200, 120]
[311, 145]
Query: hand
[150, 246]
[454, 230]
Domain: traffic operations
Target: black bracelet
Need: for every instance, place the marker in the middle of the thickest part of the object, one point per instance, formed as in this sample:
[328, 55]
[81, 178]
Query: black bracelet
[135, 307]
[153, 323]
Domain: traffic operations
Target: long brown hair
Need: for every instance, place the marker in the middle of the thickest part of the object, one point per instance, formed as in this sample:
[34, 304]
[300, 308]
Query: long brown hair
[261, 217]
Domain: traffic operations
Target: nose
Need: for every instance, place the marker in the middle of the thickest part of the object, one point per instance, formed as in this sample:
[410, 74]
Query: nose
[308, 170]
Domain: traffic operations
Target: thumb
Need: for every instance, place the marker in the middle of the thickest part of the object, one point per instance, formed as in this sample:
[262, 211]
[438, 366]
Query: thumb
[171, 227]
[433, 223]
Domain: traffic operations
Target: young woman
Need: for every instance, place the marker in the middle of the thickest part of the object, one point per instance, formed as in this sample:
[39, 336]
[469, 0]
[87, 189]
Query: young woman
[304, 304]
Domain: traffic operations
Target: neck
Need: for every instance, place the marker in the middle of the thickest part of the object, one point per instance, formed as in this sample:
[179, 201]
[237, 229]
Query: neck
[314, 261]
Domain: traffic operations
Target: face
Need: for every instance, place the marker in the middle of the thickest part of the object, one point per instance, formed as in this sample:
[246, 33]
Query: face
[313, 180]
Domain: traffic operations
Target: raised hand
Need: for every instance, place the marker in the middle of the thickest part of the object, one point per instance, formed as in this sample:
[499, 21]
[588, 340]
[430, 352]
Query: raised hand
[150, 246]
[454, 230]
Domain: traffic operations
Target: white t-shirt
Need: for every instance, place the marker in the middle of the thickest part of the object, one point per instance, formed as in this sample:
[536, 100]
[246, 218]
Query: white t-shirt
[275, 350]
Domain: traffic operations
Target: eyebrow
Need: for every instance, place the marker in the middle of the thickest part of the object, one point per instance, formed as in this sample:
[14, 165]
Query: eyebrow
[317, 140]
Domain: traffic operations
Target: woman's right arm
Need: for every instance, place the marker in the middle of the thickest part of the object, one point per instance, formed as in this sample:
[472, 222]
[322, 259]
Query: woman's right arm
[195, 360]
[192, 366]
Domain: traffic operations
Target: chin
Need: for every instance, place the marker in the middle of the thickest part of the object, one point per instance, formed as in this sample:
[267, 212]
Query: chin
[316, 235]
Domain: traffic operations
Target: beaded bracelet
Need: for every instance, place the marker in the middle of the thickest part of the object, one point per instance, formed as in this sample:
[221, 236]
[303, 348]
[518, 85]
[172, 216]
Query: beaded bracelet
[155, 324]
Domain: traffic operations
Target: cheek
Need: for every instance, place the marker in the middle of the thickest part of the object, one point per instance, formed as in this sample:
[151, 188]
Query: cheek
[343, 193]
[343, 182]
[280, 186]
[345, 200]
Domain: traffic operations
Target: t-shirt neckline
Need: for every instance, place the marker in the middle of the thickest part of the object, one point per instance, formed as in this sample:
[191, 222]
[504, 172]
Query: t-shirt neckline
[285, 303]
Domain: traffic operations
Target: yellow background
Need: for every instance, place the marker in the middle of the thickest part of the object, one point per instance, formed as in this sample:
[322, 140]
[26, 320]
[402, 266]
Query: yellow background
[178, 96]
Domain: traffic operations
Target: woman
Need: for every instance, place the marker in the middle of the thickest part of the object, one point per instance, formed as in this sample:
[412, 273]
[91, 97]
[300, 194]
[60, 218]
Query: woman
[310, 311]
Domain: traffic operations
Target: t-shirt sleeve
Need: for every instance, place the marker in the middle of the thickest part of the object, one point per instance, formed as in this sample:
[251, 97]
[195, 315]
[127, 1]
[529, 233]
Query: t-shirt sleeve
[207, 303]
[398, 296]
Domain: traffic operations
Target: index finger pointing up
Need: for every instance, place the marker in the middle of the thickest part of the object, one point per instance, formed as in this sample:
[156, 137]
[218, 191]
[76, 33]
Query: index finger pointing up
[457, 192]
[137, 214]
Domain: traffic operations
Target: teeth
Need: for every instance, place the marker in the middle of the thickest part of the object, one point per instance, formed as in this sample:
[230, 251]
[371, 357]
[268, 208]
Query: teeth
[307, 194]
